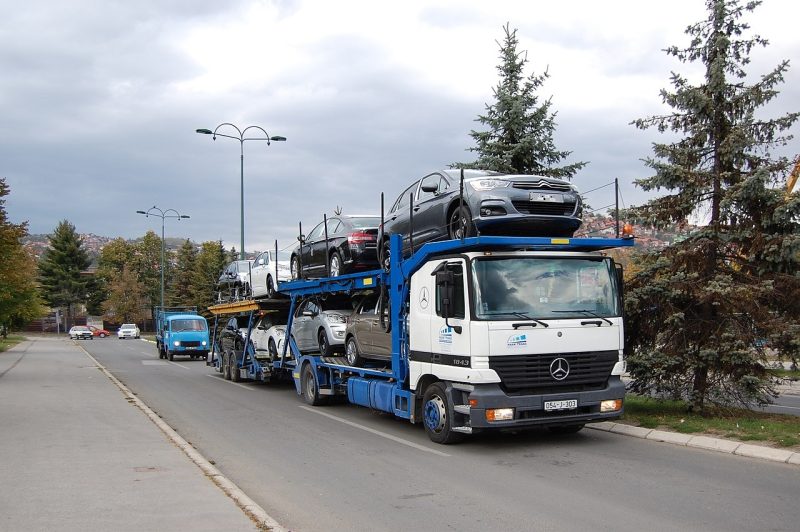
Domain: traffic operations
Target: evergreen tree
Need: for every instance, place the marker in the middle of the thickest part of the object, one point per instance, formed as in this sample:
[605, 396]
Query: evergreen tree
[181, 289]
[211, 260]
[699, 310]
[520, 132]
[146, 262]
[19, 295]
[60, 269]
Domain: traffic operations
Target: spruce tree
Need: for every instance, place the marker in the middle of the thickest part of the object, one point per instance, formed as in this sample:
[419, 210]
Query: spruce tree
[519, 139]
[211, 260]
[60, 270]
[181, 291]
[699, 311]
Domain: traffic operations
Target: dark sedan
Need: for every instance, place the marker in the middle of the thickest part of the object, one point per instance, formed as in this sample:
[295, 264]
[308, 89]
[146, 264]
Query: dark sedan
[351, 246]
[493, 204]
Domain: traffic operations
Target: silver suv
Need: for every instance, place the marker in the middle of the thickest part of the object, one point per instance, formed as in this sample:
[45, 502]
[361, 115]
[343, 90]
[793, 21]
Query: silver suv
[319, 324]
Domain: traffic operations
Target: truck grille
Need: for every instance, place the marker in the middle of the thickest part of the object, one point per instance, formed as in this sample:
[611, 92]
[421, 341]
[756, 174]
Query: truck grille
[190, 343]
[543, 207]
[527, 373]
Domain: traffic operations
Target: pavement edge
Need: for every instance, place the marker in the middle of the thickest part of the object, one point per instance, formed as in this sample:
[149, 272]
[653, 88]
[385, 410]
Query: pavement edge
[248, 505]
[707, 443]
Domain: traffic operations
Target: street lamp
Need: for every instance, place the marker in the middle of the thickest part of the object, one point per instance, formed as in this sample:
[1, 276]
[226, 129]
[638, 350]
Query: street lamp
[241, 138]
[163, 215]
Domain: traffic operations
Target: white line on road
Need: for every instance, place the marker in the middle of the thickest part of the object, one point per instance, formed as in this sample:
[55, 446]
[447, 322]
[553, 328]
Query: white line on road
[229, 382]
[176, 364]
[376, 432]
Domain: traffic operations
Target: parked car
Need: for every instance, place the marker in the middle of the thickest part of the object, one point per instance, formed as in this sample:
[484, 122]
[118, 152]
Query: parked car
[234, 281]
[268, 334]
[319, 324]
[365, 336]
[350, 246]
[128, 330]
[263, 272]
[81, 332]
[102, 333]
[493, 204]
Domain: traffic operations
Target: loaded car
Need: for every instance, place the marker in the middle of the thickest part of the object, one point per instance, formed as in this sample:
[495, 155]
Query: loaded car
[128, 330]
[319, 324]
[234, 281]
[350, 246]
[493, 204]
[96, 331]
[366, 335]
[263, 272]
[81, 332]
[268, 334]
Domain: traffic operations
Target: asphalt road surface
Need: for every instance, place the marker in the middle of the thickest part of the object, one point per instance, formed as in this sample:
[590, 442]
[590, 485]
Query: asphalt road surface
[344, 467]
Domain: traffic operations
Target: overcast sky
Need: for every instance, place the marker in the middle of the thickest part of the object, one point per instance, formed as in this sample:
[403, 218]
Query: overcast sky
[99, 101]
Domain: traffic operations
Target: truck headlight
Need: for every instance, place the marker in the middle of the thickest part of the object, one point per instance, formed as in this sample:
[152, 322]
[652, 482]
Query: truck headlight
[611, 405]
[499, 414]
[204, 343]
[176, 343]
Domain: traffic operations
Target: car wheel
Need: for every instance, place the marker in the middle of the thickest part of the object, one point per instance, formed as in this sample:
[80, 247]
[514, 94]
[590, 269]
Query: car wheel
[435, 415]
[352, 354]
[384, 255]
[294, 267]
[308, 383]
[102, 335]
[270, 288]
[335, 264]
[460, 224]
[324, 345]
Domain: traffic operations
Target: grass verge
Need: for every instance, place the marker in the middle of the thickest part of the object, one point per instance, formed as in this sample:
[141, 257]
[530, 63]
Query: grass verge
[11, 341]
[778, 430]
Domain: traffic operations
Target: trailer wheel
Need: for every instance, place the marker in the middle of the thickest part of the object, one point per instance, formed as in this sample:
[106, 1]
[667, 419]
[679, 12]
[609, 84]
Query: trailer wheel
[226, 368]
[236, 376]
[308, 382]
[435, 416]
[353, 356]
[566, 429]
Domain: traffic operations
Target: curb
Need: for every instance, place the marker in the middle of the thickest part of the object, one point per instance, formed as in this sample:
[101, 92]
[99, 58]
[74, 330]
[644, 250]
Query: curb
[701, 442]
[248, 505]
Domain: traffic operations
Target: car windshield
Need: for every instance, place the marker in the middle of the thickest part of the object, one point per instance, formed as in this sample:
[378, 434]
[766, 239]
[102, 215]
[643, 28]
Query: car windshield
[128, 326]
[363, 222]
[80, 328]
[543, 287]
[188, 325]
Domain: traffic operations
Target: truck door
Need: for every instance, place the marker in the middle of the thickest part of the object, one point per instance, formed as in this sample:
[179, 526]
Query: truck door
[450, 336]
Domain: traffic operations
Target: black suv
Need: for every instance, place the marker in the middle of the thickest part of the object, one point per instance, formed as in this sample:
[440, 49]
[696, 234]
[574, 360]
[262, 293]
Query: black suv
[350, 246]
[493, 204]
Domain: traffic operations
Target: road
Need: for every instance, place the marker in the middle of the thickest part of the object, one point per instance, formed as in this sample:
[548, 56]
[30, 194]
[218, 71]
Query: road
[347, 468]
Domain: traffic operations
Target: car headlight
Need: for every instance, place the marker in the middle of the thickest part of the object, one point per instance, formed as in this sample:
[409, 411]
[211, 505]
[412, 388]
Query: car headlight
[335, 318]
[489, 184]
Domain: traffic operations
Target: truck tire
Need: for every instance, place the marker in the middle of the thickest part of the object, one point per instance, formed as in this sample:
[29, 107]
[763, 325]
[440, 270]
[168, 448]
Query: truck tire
[352, 355]
[436, 417]
[171, 355]
[566, 429]
[226, 368]
[308, 383]
[234, 365]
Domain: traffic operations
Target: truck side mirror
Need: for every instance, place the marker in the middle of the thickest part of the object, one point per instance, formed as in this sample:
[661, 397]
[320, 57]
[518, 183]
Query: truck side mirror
[620, 284]
[446, 289]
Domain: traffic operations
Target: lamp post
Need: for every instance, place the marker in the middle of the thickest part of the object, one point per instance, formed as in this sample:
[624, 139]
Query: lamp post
[241, 138]
[163, 214]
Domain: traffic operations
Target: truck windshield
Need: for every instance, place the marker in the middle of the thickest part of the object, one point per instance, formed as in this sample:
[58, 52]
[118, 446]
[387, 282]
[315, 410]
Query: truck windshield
[188, 325]
[543, 287]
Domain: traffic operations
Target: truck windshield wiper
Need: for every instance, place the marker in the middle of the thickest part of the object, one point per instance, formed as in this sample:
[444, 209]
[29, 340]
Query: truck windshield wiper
[589, 312]
[519, 315]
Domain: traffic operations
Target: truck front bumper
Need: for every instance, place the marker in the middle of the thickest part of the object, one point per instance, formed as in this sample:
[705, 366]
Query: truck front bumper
[529, 410]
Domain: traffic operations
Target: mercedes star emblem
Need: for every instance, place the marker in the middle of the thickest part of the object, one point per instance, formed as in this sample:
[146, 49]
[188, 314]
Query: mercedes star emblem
[423, 297]
[559, 369]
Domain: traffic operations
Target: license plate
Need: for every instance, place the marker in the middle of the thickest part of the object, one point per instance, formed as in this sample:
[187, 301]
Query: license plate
[567, 404]
[191, 348]
[546, 198]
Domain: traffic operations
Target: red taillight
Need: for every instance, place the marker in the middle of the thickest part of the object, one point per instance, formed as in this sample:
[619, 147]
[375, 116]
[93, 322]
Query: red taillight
[361, 238]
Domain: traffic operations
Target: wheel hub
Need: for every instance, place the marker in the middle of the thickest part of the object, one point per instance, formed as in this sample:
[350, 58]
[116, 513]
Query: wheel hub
[435, 414]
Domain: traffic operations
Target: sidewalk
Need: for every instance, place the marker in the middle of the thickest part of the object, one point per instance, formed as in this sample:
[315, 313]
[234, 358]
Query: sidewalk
[76, 455]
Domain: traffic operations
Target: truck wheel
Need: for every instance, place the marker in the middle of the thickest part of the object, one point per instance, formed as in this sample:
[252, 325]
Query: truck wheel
[234, 365]
[226, 368]
[460, 224]
[171, 355]
[353, 356]
[435, 416]
[308, 383]
[566, 429]
[324, 345]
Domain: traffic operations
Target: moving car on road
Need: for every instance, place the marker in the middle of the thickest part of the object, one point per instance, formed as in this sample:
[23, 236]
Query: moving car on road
[350, 247]
[102, 333]
[128, 330]
[81, 332]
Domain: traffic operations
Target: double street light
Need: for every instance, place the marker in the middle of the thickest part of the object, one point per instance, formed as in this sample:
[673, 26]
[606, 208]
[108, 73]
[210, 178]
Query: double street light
[163, 214]
[241, 138]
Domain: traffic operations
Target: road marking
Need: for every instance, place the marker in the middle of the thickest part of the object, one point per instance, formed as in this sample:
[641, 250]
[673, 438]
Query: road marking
[153, 363]
[376, 432]
[176, 364]
[250, 388]
[783, 406]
